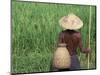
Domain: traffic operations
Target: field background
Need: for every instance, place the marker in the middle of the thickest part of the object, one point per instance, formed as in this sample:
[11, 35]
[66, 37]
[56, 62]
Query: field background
[35, 30]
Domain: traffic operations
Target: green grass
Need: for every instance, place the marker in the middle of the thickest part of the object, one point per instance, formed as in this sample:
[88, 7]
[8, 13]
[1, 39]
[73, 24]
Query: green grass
[35, 30]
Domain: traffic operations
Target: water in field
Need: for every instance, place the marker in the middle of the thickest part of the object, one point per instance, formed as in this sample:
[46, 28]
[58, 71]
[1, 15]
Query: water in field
[35, 31]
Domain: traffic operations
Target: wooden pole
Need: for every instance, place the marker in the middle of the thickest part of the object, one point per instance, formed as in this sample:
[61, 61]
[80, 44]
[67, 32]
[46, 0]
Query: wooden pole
[90, 17]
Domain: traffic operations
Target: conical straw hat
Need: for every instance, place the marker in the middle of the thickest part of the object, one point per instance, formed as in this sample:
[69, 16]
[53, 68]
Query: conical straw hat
[71, 22]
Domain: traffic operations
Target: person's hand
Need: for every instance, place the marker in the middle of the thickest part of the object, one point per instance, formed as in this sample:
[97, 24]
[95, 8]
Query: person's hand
[88, 50]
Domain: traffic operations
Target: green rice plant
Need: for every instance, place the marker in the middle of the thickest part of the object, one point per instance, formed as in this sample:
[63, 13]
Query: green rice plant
[35, 31]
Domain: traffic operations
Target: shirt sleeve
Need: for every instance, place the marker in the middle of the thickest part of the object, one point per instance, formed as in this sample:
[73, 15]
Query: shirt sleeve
[84, 50]
[61, 38]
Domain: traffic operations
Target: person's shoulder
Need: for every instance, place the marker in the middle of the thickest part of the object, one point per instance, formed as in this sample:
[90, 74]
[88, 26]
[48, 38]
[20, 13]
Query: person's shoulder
[62, 33]
[78, 34]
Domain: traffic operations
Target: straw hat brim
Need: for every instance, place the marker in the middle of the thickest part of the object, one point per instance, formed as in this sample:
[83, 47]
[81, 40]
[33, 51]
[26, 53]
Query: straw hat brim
[71, 22]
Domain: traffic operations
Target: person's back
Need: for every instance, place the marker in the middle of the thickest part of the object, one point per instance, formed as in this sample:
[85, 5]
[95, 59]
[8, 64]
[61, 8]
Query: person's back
[71, 38]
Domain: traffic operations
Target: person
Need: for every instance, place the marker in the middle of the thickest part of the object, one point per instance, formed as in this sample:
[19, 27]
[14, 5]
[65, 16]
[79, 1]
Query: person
[72, 38]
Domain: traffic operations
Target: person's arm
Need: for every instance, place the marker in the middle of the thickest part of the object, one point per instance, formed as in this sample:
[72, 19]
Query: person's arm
[61, 41]
[84, 50]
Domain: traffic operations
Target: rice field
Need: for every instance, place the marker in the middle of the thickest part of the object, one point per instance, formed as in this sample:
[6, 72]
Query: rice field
[35, 30]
